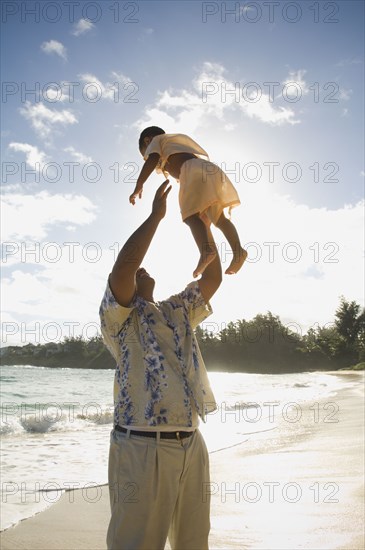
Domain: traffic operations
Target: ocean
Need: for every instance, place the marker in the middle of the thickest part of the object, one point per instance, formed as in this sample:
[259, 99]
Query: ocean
[55, 426]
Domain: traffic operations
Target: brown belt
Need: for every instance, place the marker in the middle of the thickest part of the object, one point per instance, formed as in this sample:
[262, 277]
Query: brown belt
[163, 435]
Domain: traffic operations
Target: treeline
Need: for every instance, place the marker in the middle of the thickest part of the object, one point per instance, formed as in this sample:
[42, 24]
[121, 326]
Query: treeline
[73, 352]
[263, 345]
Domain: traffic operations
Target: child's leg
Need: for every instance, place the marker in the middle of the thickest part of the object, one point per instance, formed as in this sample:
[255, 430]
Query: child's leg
[239, 253]
[200, 234]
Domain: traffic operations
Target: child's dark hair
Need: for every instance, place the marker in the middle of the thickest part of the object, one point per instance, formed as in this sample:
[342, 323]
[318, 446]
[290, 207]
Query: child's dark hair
[151, 131]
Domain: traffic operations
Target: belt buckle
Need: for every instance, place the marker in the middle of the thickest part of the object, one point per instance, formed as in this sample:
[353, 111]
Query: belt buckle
[179, 438]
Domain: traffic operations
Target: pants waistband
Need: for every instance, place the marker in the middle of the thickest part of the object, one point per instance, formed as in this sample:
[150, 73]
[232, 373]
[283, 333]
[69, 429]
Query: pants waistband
[163, 435]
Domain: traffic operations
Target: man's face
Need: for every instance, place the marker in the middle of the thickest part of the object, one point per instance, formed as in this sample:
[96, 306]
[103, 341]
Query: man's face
[145, 283]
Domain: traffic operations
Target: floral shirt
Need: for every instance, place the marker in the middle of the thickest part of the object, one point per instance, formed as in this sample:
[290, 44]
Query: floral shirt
[160, 377]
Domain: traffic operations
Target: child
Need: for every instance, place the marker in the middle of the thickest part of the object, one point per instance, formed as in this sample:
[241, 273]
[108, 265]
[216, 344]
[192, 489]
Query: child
[204, 190]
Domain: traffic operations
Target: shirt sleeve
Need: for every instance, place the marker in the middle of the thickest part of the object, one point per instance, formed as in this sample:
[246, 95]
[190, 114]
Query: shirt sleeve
[194, 302]
[153, 147]
[112, 317]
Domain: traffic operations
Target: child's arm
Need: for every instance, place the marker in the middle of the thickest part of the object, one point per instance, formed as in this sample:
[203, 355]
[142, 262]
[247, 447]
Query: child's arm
[146, 171]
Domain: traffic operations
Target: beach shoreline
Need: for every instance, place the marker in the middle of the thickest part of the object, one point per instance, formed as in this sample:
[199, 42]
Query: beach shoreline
[325, 465]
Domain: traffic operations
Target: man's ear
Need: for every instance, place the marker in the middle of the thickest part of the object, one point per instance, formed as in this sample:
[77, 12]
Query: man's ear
[147, 140]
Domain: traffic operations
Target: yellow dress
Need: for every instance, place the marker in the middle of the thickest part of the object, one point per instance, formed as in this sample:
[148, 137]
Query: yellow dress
[204, 187]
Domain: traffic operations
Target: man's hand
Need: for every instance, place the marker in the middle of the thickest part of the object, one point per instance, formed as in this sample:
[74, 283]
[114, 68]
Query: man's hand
[159, 202]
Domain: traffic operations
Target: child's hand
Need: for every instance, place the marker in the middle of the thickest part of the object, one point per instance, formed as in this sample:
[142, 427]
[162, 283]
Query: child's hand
[136, 193]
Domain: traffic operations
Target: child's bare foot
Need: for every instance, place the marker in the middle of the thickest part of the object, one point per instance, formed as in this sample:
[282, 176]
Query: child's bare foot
[238, 259]
[208, 256]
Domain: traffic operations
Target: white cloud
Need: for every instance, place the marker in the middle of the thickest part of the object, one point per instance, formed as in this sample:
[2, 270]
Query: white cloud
[349, 61]
[27, 217]
[325, 239]
[345, 94]
[107, 90]
[33, 156]
[55, 93]
[82, 26]
[43, 118]
[64, 295]
[80, 157]
[53, 46]
[294, 85]
[62, 285]
[245, 9]
[145, 34]
[210, 97]
[120, 77]
[11, 188]
[230, 127]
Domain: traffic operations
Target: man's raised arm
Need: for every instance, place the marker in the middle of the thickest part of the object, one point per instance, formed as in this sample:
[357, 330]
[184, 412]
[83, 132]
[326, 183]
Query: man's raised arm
[123, 276]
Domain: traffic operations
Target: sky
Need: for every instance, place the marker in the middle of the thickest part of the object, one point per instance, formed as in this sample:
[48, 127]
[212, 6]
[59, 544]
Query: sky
[273, 91]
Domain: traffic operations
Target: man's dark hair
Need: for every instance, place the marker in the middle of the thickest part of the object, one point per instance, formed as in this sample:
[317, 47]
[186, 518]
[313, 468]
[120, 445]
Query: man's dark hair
[151, 131]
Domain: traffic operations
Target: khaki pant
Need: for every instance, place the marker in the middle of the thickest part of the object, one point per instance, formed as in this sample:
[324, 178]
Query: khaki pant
[158, 488]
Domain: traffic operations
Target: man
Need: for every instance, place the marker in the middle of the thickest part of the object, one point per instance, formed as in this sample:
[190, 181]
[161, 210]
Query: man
[158, 461]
